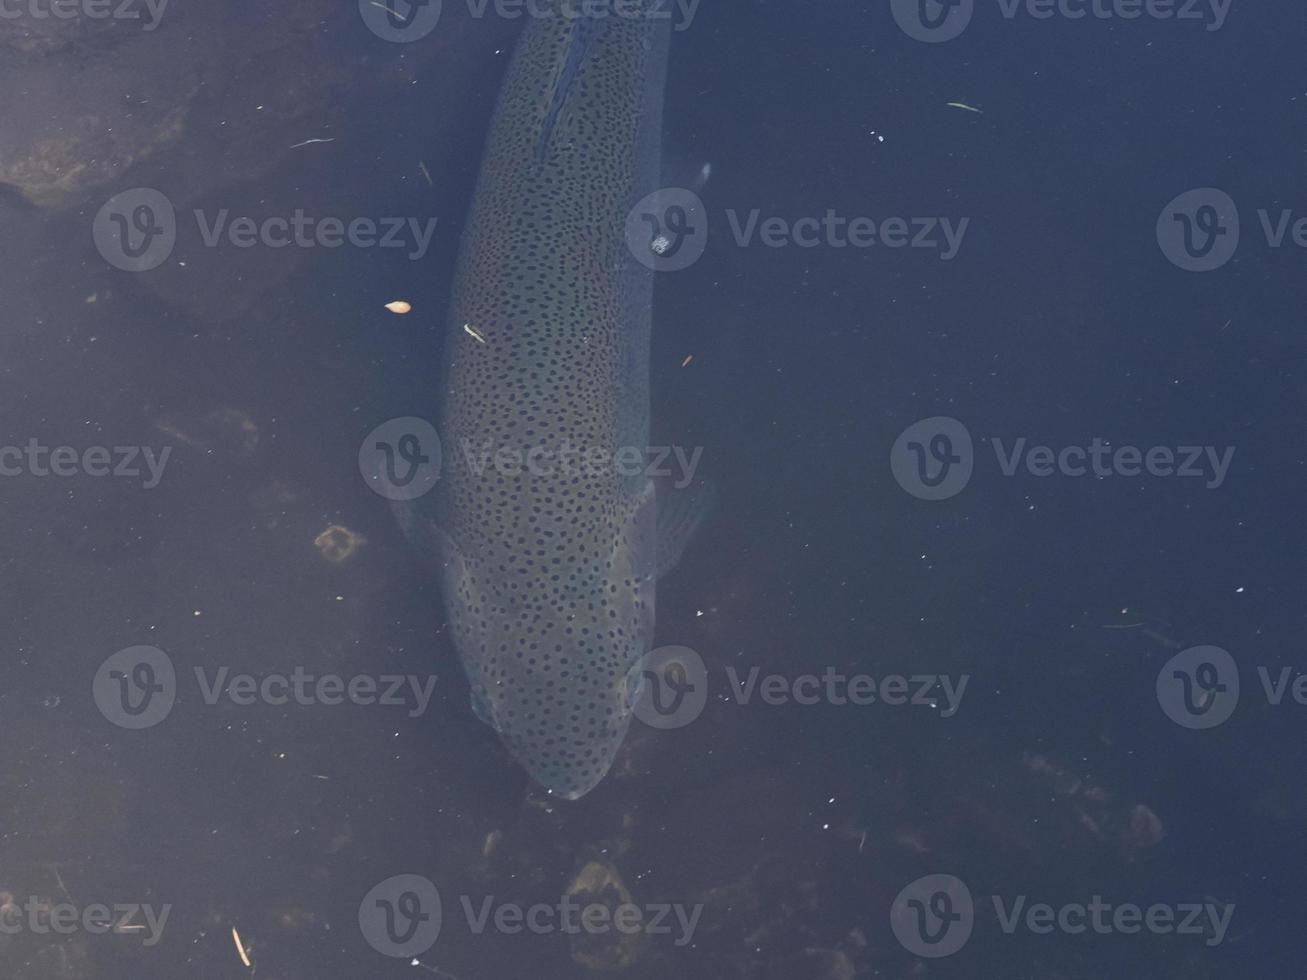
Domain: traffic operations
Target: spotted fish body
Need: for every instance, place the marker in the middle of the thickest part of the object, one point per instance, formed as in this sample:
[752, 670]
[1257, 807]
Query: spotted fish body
[548, 568]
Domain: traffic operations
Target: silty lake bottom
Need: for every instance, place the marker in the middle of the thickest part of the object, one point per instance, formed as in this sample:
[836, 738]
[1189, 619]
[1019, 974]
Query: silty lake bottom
[911, 505]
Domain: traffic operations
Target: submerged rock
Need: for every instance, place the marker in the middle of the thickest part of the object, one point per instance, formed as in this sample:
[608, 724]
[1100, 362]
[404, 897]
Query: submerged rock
[598, 883]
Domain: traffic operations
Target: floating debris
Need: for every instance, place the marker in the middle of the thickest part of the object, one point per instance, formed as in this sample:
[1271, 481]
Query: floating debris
[422, 167]
[471, 332]
[399, 306]
[701, 177]
[296, 146]
[240, 948]
[963, 105]
[688, 359]
[337, 543]
[1145, 828]
[432, 969]
[228, 430]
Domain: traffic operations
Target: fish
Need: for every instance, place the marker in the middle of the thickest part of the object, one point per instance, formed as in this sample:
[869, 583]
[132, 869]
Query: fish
[548, 571]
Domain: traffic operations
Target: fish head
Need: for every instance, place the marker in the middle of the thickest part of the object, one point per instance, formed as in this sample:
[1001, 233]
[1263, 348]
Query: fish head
[565, 720]
[554, 655]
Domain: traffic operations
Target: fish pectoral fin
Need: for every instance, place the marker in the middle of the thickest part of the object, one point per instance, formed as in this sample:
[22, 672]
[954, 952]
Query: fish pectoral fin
[681, 512]
[428, 537]
[633, 685]
[482, 709]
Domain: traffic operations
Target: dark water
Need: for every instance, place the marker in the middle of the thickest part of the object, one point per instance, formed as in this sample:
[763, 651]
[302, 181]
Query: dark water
[790, 828]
